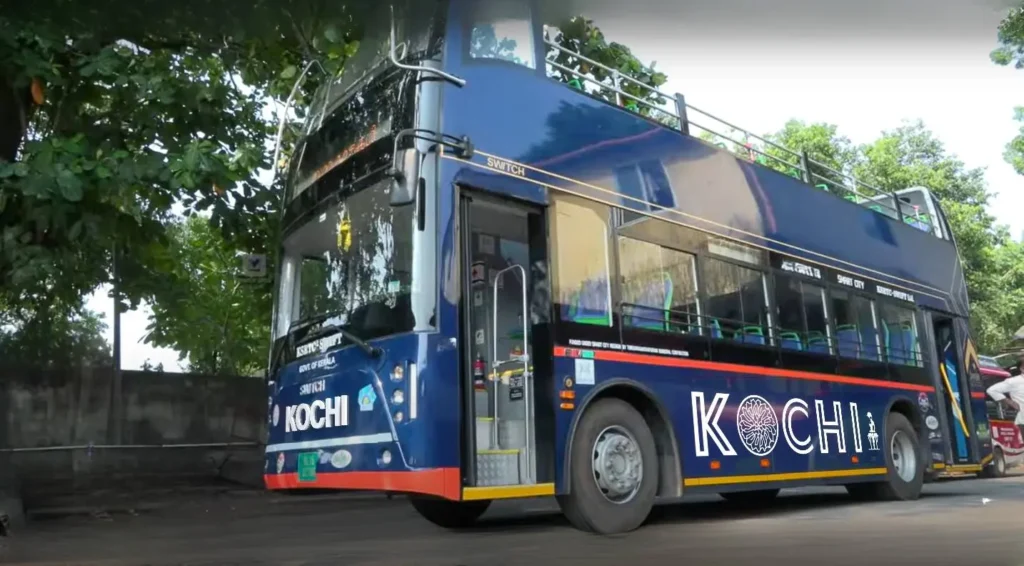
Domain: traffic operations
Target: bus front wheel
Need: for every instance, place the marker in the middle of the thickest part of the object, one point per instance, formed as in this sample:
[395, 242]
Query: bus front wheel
[613, 469]
[448, 514]
[904, 465]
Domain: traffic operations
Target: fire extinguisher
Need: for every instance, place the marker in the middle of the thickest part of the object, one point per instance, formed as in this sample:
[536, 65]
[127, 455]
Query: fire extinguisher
[479, 382]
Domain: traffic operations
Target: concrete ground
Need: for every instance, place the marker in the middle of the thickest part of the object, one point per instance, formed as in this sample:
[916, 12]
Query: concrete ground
[976, 522]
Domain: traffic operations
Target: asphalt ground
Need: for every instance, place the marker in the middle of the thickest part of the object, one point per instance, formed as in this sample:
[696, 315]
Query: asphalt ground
[964, 522]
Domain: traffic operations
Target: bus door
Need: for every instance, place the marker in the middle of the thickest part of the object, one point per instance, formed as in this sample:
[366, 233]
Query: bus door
[952, 386]
[503, 321]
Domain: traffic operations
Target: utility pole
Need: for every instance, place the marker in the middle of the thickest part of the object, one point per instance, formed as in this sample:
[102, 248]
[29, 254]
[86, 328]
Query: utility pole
[116, 398]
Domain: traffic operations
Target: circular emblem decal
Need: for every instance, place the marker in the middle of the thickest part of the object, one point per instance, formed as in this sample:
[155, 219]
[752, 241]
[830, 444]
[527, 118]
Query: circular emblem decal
[341, 459]
[932, 422]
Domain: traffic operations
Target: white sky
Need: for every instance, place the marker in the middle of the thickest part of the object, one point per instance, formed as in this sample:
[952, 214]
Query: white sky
[864, 66]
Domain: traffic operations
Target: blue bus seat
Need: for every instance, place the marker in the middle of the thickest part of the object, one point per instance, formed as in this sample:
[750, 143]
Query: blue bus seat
[869, 344]
[848, 340]
[791, 341]
[750, 335]
[649, 316]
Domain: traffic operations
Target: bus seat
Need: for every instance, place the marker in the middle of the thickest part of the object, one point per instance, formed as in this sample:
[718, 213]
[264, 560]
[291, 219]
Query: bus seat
[868, 342]
[650, 316]
[716, 328]
[895, 349]
[817, 343]
[849, 340]
[790, 341]
[750, 335]
[909, 343]
[593, 293]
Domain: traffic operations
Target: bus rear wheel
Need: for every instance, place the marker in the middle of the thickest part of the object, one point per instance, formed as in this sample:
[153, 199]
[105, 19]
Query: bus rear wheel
[997, 469]
[448, 514]
[613, 469]
[903, 461]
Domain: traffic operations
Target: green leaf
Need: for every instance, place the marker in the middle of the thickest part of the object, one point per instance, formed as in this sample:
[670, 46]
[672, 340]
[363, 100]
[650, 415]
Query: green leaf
[289, 72]
[70, 185]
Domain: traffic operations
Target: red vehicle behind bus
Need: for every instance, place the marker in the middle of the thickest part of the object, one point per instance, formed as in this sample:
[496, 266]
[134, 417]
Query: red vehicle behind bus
[1008, 446]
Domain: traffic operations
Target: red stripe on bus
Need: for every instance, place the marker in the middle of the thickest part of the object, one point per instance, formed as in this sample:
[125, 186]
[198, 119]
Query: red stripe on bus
[613, 356]
[443, 482]
[977, 395]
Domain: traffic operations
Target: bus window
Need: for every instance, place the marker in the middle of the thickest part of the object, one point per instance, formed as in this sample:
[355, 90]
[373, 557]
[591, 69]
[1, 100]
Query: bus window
[899, 335]
[802, 323]
[503, 30]
[659, 287]
[854, 320]
[579, 242]
[736, 300]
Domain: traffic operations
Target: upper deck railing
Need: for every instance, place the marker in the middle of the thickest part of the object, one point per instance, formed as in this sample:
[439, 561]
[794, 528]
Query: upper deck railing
[672, 111]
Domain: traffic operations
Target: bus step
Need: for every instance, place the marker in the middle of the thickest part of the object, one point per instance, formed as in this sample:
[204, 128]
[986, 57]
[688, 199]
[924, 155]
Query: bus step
[498, 467]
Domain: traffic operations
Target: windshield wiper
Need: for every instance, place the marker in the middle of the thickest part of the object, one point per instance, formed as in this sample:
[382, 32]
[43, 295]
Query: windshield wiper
[328, 329]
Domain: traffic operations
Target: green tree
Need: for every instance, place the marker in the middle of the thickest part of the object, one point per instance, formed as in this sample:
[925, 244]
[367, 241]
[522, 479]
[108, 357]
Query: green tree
[579, 35]
[65, 336]
[109, 119]
[210, 313]
[1011, 52]
[910, 155]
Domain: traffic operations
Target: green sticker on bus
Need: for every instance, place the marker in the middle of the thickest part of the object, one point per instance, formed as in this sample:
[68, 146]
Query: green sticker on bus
[307, 466]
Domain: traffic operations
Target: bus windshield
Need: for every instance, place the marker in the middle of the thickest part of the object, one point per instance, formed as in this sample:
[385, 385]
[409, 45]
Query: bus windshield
[353, 262]
[418, 25]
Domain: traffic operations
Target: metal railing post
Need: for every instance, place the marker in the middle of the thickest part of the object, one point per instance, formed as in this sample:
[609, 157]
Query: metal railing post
[805, 167]
[684, 122]
[896, 203]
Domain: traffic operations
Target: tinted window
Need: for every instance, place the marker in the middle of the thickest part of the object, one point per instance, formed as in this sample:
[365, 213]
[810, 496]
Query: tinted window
[579, 242]
[659, 287]
[854, 321]
[801, 310]
[736, 300]
[502, 29]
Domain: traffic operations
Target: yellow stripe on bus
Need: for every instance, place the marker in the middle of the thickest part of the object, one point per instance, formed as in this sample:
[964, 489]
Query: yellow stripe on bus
[507, 491]
[824, 474]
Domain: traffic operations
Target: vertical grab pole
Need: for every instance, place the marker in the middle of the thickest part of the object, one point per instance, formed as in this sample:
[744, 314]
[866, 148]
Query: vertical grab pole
[525, 359]
[495, 364]
[527, 391]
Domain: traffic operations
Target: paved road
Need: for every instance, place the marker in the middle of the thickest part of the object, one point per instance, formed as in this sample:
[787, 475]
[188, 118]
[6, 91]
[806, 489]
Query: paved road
[975, 522]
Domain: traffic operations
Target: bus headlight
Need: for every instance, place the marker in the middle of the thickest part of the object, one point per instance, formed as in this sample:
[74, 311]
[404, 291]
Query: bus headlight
[399, 417]
[398, 397]
[397, 374]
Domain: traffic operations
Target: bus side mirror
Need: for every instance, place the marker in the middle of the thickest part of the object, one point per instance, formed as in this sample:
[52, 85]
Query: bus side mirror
[404, 176]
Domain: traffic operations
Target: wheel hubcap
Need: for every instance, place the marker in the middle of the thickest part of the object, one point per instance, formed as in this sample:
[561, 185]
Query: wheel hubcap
[618, 465]
[904, 460]
[1000, 464]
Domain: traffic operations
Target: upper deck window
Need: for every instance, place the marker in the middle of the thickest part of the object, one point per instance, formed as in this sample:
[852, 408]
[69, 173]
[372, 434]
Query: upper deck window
[503, 29]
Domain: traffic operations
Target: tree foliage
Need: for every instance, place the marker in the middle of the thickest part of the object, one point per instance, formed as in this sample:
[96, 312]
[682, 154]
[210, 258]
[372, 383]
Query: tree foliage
[209, 312]
[579, 35]
[113, 120]
[1011, 52]
[61, 337]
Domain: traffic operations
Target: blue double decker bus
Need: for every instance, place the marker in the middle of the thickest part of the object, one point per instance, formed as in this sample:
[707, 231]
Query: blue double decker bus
[502, 275]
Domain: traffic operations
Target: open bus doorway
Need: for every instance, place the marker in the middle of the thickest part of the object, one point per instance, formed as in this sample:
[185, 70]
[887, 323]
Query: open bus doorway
[953, 386]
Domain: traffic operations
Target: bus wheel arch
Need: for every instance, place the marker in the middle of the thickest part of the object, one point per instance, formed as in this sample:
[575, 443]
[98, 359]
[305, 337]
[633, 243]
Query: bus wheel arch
[902, 433]
[670, 477]
[910, 410]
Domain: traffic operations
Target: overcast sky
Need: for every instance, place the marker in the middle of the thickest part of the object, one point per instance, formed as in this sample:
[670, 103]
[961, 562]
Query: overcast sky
[864, 65]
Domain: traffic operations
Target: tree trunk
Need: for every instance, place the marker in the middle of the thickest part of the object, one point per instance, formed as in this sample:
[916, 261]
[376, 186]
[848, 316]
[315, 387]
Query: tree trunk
[15, 109]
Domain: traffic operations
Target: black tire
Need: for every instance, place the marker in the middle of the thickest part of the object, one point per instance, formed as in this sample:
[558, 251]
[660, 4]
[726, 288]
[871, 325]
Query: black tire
[449, 514]
[750, 497]
[894, 488]
[586, 506]
[997, 469]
